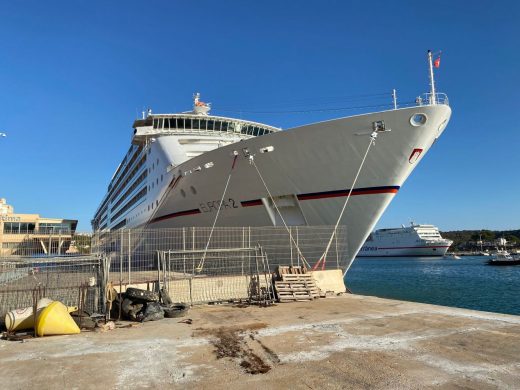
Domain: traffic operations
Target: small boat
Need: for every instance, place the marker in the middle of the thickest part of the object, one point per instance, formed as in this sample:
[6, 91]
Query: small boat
[503, 257]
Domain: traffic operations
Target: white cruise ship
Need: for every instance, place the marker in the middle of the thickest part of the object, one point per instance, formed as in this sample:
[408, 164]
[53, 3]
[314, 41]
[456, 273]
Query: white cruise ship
[180, 165]
[415, 241]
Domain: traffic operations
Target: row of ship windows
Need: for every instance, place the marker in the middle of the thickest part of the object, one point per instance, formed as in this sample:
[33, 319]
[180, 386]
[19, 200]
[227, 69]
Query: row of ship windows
[208, 125]
[121, 184]
[131, 152]
[127, 167]
[113, 193]
[132, 201]
[134, 185]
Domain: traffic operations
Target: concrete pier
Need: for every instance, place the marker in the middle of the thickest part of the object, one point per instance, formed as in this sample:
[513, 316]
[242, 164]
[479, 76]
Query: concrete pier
[342, 342]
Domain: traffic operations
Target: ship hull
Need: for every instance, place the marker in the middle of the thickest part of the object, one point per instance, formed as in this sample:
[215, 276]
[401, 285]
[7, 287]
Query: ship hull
[418, 251]
[309, 171]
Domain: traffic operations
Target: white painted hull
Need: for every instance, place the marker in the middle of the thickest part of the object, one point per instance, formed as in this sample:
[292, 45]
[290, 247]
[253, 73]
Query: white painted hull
[315, 163]
[432, 250]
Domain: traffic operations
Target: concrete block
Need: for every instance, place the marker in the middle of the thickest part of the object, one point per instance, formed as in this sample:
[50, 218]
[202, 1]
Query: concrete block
[329, 280]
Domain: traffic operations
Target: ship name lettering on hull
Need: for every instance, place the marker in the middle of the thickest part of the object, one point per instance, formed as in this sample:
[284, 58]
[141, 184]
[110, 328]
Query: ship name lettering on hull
[213, 205]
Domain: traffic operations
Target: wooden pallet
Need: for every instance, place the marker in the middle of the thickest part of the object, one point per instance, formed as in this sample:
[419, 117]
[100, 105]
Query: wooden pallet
[298, 278]
[299, 287]
[289, 270]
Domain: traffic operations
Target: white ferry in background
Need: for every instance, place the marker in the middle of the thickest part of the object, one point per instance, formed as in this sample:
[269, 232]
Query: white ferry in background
[412, 241]
[183, 169]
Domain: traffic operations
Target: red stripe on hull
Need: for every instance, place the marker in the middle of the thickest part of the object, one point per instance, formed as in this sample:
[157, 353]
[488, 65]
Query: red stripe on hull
[343, 194]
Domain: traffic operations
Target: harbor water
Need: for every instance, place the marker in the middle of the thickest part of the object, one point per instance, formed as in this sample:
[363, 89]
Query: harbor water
[468, 283]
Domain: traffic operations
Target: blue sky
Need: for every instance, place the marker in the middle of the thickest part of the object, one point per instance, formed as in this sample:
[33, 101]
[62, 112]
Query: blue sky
[75, 74]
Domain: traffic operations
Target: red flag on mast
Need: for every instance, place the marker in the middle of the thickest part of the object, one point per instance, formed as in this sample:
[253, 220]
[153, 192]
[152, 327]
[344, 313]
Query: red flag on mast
[437, 62]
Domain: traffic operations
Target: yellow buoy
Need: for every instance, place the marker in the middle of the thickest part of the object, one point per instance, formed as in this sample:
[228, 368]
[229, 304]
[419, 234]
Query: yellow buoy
[54, 320]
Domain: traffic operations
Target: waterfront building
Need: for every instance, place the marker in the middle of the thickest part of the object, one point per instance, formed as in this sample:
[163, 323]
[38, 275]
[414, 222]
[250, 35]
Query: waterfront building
[30, 234]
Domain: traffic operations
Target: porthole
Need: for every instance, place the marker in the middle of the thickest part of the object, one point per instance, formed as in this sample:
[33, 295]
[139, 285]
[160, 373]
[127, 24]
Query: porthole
[193, 190]
[418, 120]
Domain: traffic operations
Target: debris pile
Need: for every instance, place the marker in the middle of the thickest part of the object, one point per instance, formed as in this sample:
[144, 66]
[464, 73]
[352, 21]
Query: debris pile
[143, 305]
[47, 317]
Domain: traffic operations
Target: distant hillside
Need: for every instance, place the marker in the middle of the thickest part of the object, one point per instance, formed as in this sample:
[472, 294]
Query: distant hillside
[467, 239]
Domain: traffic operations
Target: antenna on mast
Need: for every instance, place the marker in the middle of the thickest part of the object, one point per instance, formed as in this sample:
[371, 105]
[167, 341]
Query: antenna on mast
[433, 99]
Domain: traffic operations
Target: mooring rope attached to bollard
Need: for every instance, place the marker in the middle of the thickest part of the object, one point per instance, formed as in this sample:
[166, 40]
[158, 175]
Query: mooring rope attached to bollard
[323, 258]
[201, 263]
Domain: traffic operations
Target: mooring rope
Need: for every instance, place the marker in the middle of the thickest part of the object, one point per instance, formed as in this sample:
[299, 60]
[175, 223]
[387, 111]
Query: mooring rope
[201, 263]
[323, 258]
[252, 161]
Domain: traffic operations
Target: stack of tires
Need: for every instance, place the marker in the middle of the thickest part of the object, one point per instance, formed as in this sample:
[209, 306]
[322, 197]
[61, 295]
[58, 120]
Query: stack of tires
[143, 305]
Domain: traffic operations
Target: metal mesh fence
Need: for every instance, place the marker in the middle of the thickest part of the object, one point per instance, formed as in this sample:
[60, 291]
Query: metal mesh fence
[232, 264]
[43, 243]
[68, 280]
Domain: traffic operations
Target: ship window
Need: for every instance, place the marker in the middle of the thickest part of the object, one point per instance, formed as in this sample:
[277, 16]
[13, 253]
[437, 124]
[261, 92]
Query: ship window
[156, 203]
[166, 123]
[232, 127]
[255, 131]
[160, 123]
[180, 123]
[210, 125]
[203, 124]
[217, 125]
[155, 123]
[224, 126]
[196, 124]
[187, 124]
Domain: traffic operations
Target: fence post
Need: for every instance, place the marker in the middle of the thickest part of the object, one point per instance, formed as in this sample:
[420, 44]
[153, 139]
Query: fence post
[129, 257]
[120, 267]
[298, 244]
[290, 245]
[184, 250]
[337, 254]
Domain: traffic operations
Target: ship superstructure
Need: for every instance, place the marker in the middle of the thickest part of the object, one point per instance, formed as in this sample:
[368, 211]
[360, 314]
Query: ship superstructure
[183, 169]
[411, 241]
